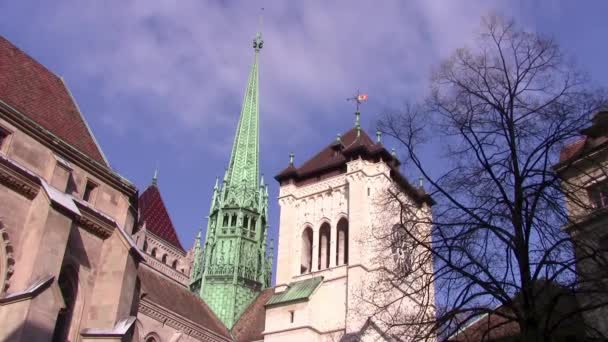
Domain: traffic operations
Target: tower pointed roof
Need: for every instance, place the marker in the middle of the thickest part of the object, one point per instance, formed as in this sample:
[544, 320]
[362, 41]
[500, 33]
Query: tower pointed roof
[154, 214]
[243, 169]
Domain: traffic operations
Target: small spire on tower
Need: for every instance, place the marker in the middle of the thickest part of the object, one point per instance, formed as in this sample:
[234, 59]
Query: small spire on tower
[359, 98]
[155, 177]
[378, 135]
[291, 158]
[339, 138]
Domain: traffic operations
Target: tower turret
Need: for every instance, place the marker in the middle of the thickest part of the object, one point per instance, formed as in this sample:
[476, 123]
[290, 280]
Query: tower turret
[234, 267]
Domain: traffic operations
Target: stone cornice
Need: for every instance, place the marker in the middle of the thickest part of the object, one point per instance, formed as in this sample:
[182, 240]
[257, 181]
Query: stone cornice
[94, 222]
[178, 322]
[18, 179]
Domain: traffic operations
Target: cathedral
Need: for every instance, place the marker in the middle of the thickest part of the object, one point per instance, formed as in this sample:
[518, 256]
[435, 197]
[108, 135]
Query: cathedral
[85, 255]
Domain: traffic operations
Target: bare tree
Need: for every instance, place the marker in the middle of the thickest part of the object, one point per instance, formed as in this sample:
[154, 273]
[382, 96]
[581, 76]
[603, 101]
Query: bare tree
[501, 112]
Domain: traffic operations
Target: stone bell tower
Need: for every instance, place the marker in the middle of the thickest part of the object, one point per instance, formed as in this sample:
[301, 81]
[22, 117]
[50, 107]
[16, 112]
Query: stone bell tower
[232, 267]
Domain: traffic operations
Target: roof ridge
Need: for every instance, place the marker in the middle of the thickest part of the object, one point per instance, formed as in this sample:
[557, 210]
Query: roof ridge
[84, 120]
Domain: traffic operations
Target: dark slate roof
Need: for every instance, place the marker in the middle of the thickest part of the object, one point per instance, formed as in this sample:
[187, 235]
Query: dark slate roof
[154, 214]
[251, 324]
[178, 299]
[36, 92]
[333, 158]
[296, 291]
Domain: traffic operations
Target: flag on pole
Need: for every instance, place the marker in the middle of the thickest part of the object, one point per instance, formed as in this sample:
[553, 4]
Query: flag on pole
[362, 97]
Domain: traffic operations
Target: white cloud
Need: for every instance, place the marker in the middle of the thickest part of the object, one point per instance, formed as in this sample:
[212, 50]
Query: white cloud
[182, 66]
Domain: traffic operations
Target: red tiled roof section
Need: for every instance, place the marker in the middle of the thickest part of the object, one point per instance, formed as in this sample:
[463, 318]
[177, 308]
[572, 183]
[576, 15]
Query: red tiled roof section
[36, 92]
[154, 214]
[174, 297]
[250, 325]
[572, 149]
[490, 327]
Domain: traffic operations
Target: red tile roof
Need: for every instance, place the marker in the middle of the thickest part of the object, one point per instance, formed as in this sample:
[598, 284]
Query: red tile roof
[572, 149]
[36, 92]
[154, 214]
[174, 297]
[251, 324]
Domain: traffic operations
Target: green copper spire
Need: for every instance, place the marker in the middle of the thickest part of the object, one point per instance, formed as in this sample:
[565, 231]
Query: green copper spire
[233, 266]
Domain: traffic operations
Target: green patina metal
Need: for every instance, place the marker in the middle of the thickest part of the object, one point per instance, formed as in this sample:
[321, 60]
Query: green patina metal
[232, 267]
[296, 292]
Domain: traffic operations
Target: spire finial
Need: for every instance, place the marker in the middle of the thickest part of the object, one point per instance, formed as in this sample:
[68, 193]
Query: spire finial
[155, 177]
[358, 98]
[291, 158]
[393, 152]
[339, 138]
[258, 43]
[378, 135]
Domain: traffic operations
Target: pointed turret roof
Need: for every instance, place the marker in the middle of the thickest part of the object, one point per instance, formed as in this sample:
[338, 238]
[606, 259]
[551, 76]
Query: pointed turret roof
[244, 168]
[154, 214]
[43, 97]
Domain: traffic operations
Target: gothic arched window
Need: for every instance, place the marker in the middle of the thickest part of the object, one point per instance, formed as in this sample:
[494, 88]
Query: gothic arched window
[174, 264]
[342, 246]
[145, 246]
[324, 235]
[306, 252]
[164, 258]
[233, 222]
[253, 222]
[225, 223]
[153, 253]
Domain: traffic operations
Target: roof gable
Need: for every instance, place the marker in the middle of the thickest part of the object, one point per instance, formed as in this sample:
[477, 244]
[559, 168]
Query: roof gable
[154, 214]
[39, 94]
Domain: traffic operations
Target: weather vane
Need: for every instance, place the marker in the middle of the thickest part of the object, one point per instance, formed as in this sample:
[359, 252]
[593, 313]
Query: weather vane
[359, 99]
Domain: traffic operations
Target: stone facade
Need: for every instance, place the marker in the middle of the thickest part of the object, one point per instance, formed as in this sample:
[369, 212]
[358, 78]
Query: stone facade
[584, 167]
[346, 211]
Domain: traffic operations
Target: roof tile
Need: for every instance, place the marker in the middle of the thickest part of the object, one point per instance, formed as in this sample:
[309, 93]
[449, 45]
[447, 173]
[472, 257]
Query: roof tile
[36, 92]
[154, 214]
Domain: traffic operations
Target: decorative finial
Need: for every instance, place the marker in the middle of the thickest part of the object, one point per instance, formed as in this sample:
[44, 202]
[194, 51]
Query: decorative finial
[393, 152]
[359, 98]
[339, 138]
[258, 43]
[421, 182]
[155, 177]
[217, 182]
[262, 180]
[291, 158]
[378, 135]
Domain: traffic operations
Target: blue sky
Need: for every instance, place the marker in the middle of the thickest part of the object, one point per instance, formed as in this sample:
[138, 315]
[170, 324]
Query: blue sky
[162, 81]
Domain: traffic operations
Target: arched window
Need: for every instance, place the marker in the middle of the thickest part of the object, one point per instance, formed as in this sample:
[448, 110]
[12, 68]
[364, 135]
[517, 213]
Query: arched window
[145, 246]
[225, 223]
[153, 253]
[246, 222]
[253, 222]
[174, 264]
[164, 258]
[306, 256]
[233, 223]
[324, 245]
[68, 285]
[342, 250]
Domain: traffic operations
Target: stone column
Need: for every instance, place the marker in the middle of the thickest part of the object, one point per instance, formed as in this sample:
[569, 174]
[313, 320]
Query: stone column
[333, 231]
[315, 249]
